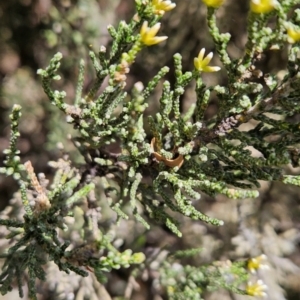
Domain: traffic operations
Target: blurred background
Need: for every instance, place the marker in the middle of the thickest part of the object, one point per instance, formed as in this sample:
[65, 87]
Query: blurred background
[32, 31]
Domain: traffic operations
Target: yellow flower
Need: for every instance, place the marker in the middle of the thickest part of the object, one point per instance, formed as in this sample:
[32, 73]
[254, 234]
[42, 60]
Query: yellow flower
[293, 35]
[256, 263]
[161, 6]
[201, 63]
[262, 6]
[257, 289]
[213, 3]
[148, 35]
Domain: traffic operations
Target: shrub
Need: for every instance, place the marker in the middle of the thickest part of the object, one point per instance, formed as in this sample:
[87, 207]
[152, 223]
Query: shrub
[156, 168]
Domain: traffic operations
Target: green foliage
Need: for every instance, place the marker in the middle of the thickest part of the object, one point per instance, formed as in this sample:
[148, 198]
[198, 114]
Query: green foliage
[157, 174]
[37, 240]
[13, 160]
[189, 282]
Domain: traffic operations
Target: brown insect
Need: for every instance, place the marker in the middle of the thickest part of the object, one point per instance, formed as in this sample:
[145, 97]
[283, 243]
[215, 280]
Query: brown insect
[176, 162]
